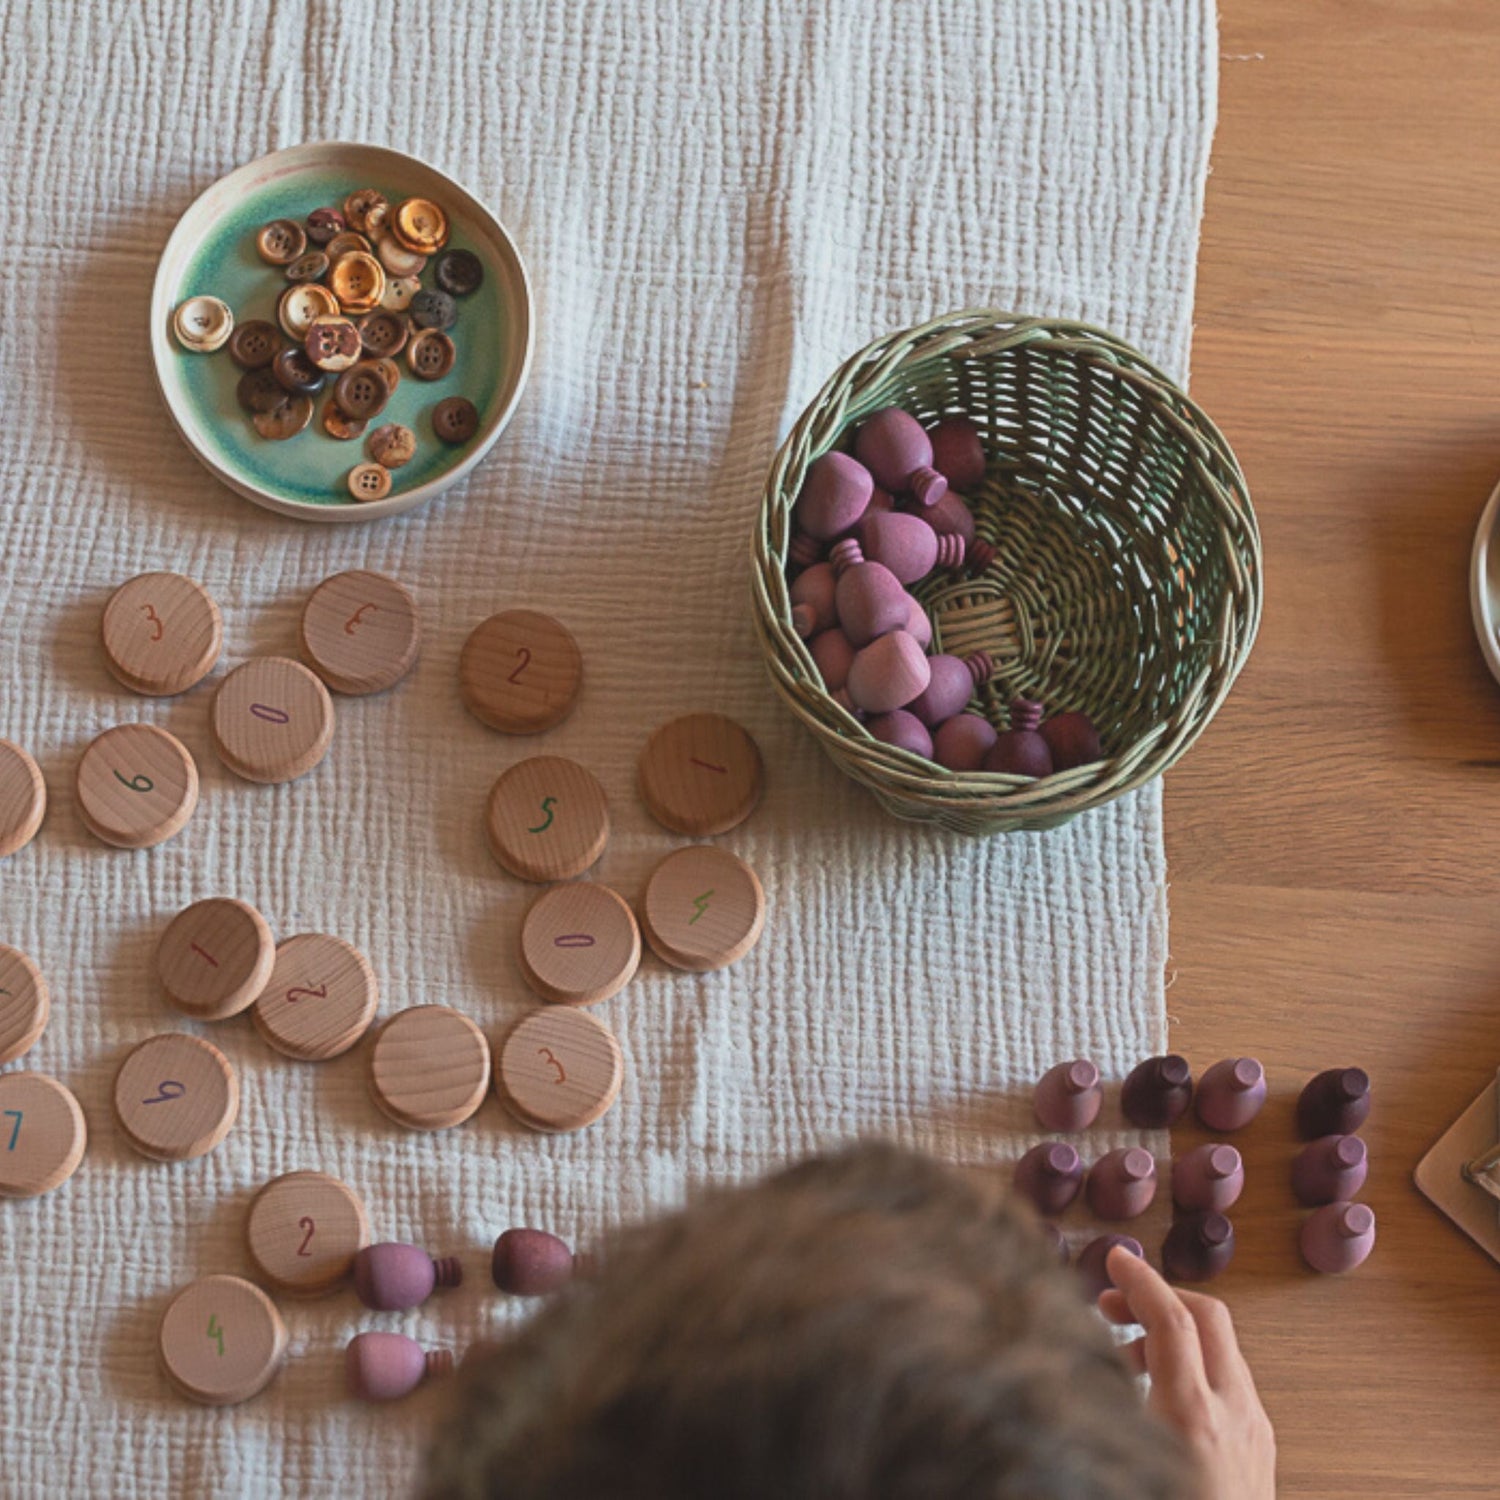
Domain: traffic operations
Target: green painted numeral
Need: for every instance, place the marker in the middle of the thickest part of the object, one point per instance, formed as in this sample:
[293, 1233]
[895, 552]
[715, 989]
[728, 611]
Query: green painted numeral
[215, 1331]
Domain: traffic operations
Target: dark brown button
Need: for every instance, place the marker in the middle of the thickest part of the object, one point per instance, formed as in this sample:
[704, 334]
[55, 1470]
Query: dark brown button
[345, 244]
[313, 266]
[388, 370]
[358, 281]
[296, 372]
[323, 224]
[455, 420]
[430, 354]
[420, 225]
[434, 310]
[369, 482]
[366, 210]
[360, 393]
[383, 333]
[392, 445]
[259, 390]
[333, 343]
[458, 272]
[286, 419]
[281, 241]
[338, 425]
[254, 344]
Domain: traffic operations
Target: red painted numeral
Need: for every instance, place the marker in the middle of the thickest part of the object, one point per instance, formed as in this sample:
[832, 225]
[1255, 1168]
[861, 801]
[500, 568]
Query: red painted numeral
[525, 662]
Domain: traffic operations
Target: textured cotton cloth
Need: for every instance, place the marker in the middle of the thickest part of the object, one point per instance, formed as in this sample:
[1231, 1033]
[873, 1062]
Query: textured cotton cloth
[718, 203]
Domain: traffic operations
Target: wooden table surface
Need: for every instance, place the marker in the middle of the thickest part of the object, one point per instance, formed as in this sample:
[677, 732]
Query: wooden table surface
[1334, 838]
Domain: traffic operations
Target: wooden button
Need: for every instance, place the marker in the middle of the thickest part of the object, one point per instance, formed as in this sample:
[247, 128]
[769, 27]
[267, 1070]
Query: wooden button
[319, 1000]
[433, 309]
[322, 224]
[383, 333]
[520, 672]
[285, 420]
[701, 774]
[458, 272]
[338, 424]
[215, 958]
[311, 265]
[296, 373]
[455, 420]
[24, 1004]
[360, 392]
[400, 289]
[161, 633]
[579, 944]
[301, 305]
[347, 243]
[420, 225]
[203, 324]
[272, 720]
[360, 631]
[558, 1069]
[392, 445]
[547, 819]
[407, 265]
[429, 1068]
[430, 354]
[259, 391]
[703, 909]
[221, 1341]
[304, 1231]
[176, 1097]
[369, 481]
[281, 241]
[137, 785]
[23, 798]
[366, 209]
[254, 343]
[333, 343]
[358, 281]
[42, 1135]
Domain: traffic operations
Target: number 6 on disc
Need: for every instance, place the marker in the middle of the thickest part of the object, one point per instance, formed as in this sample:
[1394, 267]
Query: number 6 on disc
[137, 785]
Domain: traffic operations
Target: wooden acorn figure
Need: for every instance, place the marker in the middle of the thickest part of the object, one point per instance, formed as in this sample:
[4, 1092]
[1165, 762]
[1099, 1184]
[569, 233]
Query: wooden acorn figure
[381, 1366]
[868, 596]
[1210, 1176]
[1122, 1183]
[888, 673]
[1021, 750]
[1230, 1094]
[951, 517]
[804, 549]
[391, 1277]
[1091, 1264]
[1336, 1102]
[894, 448]
[1068, 1096]
[530, 1263]
[1050, 1175]
[812, 594]
[918, 625]
[903, 730]
[958, 452]
[962, 743]
[1073, 740]
[835, 494]
[1329, 1169]
[954, 679]
[1157, 1092]
[1198, 1247]
[908, 546]
[1338, 1237]
[832, 655]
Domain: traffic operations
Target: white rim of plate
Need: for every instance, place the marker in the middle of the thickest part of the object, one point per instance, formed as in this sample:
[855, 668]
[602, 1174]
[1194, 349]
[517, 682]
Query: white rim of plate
[1480, 605]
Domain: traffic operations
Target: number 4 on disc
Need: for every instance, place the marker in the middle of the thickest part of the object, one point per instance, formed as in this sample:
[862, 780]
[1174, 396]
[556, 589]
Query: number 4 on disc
[221, 1341]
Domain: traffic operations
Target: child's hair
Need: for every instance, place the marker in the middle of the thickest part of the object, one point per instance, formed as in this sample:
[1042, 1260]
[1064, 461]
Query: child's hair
[867, 1326]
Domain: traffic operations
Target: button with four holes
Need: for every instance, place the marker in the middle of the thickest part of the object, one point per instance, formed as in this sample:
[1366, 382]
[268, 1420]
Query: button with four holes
[547, 819]
[429, 1068]
[558, 1069]
[455, 420]
[272, 720]
[303, 1232]
[579, 944]
[137, 786]
[176, 1097]
[161, 633]
[23, 798]
[42, 1135]
[520, 672]
[703, 908]
[221, 1341]
[701, 774]
[24, 1004]
[281, 241]
[430, 354]
[369, 481]
[319, 1000]
[360, 631]
[215, 958]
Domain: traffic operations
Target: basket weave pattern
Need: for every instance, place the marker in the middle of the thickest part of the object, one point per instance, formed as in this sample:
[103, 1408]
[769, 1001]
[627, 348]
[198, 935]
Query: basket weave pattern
[1126, 580]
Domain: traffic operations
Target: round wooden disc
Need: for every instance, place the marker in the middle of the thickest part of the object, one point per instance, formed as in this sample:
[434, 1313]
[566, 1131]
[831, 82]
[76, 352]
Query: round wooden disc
[161, 633]
[42, 1135]
[176, 1097]
[558, 1069]
[23, 798]
[360, 632]
[215, 958]
[137, 786]
[429, 1068]
[319, 1000]
[272, 720]
[579, 944]
[703, 909]
[221, 1340]
[24, 1004]
[520, 672]
[701, 774]
[304, 1231]
[547, 819]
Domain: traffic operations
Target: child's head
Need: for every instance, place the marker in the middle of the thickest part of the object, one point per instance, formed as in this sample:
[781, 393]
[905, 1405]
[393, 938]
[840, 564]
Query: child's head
[870, 1326]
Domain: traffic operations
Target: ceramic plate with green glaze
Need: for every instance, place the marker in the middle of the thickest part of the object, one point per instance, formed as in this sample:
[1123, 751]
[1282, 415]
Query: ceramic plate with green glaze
[212, 251]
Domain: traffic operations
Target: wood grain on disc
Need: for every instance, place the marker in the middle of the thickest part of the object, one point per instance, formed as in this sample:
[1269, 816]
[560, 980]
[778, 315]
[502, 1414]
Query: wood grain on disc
[161, 633]
[703, 908]
[215, 958]
[221, 1340]
[579, 943]
[429, 1068]
[360, 632]
[23, 798]
[319, 1000]
[303, 1232]
[24, 1004]
[42, 1135]
[558, 1069]
[701, 774]
[547, 819]
[137, 786]
[272, 720]
[520, 672]
[176, 1097]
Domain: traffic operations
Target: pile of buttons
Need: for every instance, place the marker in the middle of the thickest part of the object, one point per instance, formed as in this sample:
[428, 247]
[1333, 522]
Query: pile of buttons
[354, 301]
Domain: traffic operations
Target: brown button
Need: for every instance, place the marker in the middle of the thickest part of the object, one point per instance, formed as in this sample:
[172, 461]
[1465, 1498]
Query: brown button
[458, 272]
[366, 210]
[284, 420]
[397, 259]
[358, 281]
[392, 445]
[430, 355]
[203, 324]
[259, 390]
[311, 266]
[254, 344]
[296, 373]
[271, 720]
[24, 1004]
[345, 244]
[161, 633]
[360, 392]
[338, 425]
[215, 958]
[455, 419]
[399, 290]
[369, 482]
[383, 333]
[360, 632]
[301, 304]
[389, 371]
[281, 241]
[431, 309]
[333, 343]
[323, 224]
[520, 672]
[136, 786]
[420, 225]
[23, 798]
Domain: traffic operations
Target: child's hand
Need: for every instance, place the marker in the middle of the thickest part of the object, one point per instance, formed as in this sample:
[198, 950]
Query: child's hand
[1200, 1382]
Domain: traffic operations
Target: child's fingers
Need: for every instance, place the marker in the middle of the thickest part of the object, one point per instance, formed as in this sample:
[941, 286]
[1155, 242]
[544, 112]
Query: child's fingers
[1174, 1352]
[1134, 1355]
[1113, 1305]
[1222, 1357]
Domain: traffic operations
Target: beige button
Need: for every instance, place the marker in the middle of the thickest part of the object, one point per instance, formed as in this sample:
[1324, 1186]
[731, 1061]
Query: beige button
[338, 424]
[304, 1231]
[221, 1341]
[700, 774]
[579, 944]
[547, 819]
[161, 633]
[429, 1068]
[365, 210]
[420, 225]
[272, 720]
[301, 305]
[350, 242]
[137, 786]
[397, 259]
[42, 1135]
[369, 482]
[176, 1097]
[399, 290]
[358, 281]
[520, 672]
[360, 631]
[23, 798]
[215, 958]
[703, 909]
[24, 1004]
[319, 1000]
[558, 1069]
[203, 324]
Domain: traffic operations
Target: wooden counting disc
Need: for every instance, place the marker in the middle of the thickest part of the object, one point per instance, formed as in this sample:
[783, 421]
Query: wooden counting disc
[701, 774]
[360, 632]
[221, 1341]
[137, 786]
[24, 1004]
[558, 1069]
[42, 1135]
[304, 1231]
[319, 1000]
[703, 909]
[215, 958]
[272, 720]
[579, 944]
[176, 1097]
[520, 672]
[23, 798]
[430, 1068]
[547, 819]
[161, 633]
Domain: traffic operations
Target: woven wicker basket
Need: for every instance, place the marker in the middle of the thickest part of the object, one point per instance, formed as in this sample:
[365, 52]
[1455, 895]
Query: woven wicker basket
[1127, 573]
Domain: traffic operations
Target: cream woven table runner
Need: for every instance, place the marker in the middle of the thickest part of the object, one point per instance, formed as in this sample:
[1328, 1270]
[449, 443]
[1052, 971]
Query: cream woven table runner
[718, 203]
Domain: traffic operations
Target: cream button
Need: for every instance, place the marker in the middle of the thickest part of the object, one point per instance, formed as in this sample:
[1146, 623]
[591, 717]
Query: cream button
[203, 324]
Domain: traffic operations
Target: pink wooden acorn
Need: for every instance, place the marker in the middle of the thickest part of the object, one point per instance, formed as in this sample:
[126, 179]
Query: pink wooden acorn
[894, 448]
[1122, 1183]
[954, 679]
[1198, 1247]
[812, 595]
[958, 452]
[835, 494]
[1021, 750]
[391, 1277]
[951, 517]
[1050, 1175]
[880, 501]
[531, 1263]
[804, 550]
[904, 730]
[1338, 1237]
[962, 743]
[1073, 740]
[1336, 1102]
[918, 624]
[1209, 1176]
[1092, 1263]
[1068, 1096]
[907, 545]
[1329, 1170]
[832, 655]
[888, 673]
[869, 597]
[1156, 1093]
[1231, 1093]
[381, 1366]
